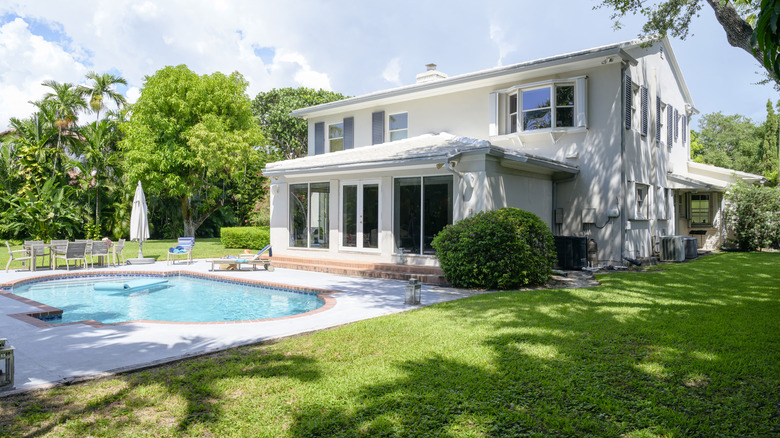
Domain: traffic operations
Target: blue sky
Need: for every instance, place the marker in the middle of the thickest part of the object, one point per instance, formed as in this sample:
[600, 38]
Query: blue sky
[352, 47]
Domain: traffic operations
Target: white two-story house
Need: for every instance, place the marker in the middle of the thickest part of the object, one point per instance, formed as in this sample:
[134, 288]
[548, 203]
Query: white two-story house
[596, 143]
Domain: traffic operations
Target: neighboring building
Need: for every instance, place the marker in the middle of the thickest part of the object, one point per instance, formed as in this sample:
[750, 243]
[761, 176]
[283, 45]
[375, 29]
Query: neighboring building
[594, 142]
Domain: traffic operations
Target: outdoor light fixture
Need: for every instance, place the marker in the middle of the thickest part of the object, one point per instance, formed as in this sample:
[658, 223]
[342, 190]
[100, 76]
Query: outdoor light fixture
[413, 291]
[6, 365]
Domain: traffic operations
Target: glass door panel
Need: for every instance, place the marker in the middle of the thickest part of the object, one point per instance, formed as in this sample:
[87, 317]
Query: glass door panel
[360, 216]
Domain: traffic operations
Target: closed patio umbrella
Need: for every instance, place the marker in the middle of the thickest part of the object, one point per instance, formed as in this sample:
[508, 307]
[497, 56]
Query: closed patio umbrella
[139, 223]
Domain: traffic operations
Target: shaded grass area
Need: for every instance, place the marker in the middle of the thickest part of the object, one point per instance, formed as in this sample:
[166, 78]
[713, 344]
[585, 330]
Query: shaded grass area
[204, 248]
[691, 350]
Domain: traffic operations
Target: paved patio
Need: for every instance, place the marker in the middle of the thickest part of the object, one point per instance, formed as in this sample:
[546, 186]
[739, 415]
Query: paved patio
[47, 356]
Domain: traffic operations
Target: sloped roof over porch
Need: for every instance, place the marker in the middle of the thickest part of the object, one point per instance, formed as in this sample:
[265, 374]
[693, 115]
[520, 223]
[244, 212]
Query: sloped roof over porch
[424, 150]
[708, 177]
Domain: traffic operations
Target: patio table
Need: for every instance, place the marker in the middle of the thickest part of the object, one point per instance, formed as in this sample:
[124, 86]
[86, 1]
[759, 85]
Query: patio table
[36, 250]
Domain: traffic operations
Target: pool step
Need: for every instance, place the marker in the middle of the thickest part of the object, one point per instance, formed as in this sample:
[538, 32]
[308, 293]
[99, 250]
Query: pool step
[426, 274]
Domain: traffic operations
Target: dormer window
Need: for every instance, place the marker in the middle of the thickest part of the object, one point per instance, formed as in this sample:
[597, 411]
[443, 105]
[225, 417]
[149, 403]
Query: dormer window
[555, 105]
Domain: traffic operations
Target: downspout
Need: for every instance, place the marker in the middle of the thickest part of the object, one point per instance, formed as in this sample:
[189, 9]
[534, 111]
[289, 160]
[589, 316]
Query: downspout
[623, 191]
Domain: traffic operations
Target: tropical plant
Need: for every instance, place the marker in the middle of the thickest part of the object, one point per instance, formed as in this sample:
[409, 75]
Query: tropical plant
[100, 88]
[45, 212]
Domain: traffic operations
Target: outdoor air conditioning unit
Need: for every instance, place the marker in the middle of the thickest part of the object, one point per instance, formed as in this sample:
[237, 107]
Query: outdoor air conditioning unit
[673, 249]
[691, 247]
[572, 252]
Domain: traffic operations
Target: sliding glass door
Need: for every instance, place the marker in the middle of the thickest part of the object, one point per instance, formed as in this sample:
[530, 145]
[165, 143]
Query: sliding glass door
[423, 207]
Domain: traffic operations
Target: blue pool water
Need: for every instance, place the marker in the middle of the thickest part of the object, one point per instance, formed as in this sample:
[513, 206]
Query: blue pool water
[181, 299]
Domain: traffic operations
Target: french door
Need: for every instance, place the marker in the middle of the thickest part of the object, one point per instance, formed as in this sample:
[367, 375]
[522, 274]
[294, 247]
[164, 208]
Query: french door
[360, 212]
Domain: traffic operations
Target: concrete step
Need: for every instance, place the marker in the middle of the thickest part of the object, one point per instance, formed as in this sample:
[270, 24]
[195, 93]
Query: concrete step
[426, 274]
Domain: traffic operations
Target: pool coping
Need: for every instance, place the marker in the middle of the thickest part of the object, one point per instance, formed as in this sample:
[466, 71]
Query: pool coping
[32, 318]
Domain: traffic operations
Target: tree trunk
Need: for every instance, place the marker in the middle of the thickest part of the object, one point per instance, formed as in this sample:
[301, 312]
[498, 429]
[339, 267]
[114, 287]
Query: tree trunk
[191, 222]
[738, 31]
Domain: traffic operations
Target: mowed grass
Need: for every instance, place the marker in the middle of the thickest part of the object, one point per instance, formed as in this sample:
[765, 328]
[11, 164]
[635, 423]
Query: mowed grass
[692, 349]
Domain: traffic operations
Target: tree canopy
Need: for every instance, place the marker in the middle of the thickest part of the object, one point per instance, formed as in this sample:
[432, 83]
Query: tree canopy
[737, 17]
[188, 135]
[288, 135]
[735, 142]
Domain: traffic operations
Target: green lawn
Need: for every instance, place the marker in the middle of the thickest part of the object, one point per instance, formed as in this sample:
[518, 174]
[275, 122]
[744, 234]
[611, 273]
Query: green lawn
[204, 248]
[690, 350]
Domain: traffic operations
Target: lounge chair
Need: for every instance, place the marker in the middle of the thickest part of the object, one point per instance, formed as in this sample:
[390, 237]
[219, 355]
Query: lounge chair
[253, 260]
[76, 251]
[13, 257]
[182, 249]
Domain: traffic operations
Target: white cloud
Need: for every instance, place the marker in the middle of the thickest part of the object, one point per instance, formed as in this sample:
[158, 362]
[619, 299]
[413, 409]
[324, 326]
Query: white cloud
[26, 60]
[392, 71]
[498, 36]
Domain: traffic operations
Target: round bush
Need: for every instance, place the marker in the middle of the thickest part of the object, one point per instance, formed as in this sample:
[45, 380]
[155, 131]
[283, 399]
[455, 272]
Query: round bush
[497, 249]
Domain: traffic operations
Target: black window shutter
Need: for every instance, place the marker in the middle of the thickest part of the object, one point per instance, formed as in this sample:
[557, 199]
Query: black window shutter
[378, 127]
[657, 119]
[669, 125]
[645, 110]
[684, 128]
[676, 124]
[319, 138]
[349, 132]
[628, 90]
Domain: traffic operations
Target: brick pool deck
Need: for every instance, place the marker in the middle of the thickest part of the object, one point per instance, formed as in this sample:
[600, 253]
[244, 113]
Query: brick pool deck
[47, 355]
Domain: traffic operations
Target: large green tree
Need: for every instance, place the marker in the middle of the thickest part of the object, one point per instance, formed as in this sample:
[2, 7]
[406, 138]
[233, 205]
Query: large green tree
[189, 134]
[737, 17]
[288, 135]
[730, 141]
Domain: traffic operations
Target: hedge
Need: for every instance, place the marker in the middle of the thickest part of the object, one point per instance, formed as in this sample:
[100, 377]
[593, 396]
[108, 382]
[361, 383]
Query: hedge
[246, 237]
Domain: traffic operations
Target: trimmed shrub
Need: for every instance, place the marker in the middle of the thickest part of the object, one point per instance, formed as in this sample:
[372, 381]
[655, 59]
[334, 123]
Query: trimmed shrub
[497, 249]
[246, 237]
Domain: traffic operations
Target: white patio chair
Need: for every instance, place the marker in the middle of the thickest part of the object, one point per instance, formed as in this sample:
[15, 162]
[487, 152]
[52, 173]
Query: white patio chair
[13, 257]
[118, 251]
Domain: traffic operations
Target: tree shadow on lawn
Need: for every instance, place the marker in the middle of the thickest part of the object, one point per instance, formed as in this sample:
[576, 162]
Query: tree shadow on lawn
[679, 352]
[199, 389]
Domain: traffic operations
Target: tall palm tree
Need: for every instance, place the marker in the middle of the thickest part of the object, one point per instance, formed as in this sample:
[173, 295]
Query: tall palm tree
[101, 87]
[99, 155]
[65, 101]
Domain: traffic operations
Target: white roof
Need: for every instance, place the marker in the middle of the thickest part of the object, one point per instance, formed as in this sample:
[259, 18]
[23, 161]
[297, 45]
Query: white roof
[709, 177]
[416, 150]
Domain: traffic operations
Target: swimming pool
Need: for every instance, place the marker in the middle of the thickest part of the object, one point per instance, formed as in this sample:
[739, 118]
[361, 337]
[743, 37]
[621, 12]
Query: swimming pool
[181, 298]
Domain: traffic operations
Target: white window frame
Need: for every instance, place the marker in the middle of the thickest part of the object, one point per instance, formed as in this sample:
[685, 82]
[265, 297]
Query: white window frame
[359, 232]
[340, 126]
[642, 201]
[503, 98]
[391, 132]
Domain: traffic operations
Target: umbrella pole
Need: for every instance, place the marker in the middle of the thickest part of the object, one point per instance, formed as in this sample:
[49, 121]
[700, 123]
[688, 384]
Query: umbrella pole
[140, 245]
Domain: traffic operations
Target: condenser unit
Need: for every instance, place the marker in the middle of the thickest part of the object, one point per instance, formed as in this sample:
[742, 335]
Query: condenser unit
[673, 249]
[572, 252]
[691, 247]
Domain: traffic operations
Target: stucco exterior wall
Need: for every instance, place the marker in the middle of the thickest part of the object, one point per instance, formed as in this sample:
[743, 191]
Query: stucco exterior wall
[598, 202]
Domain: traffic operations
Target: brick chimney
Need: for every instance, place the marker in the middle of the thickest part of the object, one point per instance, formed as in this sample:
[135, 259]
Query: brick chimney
[430, 74]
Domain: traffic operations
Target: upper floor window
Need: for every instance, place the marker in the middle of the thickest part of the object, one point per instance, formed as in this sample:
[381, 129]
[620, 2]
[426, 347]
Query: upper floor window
[399, 126]
[336, 137]
[549, 105]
